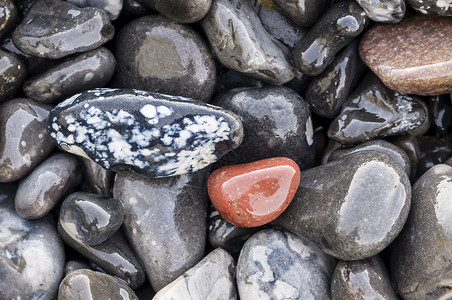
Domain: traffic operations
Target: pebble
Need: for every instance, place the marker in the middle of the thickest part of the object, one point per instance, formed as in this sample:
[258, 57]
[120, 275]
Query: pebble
[96, 179]
[374, 111]
[9, 15]
[276, 264]
[276, 121]
[168, 236]
[256, 193]
[86, 71]
[304, 13]
[432, 7]
[12, 75]
[151, 134]
[181, 11]
[440, 109]
[24, 142]
[413, 56]
[351, 208]
[409, 144]
[90, 218]
[49, 182]
[337, 28]
[148, 45]
[55, 28]
[87, 284]
[111, 7]
[421, 255]
[31, 253]
[387, 11]
[241, 43]
[212, 278]
[362, 280]
[74, 265]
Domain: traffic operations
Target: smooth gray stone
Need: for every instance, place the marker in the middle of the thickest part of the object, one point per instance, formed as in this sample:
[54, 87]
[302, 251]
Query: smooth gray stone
[213, 278]
[382, 146]
[89, 70]
[434, 7]
[49, 182]
[12, 75]
[111, 7]
[351, 208]
[362, 280]
[276, 264]
[276, 121]
[96, 179]
[157, 54]
[181, 11]
[74, 265]
[87, 284]
[31, 253]
[305, 13]
[149, 222]
[114, 256]
[9, 15]
[241, 43]
[24, 142]
[388, 11]
[421, 257]
[55, 28]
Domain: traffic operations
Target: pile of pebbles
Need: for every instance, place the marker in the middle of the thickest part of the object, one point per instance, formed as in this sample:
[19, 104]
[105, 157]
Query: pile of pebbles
[113, 114]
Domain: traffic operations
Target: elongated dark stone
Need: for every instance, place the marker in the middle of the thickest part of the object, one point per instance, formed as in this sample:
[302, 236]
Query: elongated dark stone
[148, 133]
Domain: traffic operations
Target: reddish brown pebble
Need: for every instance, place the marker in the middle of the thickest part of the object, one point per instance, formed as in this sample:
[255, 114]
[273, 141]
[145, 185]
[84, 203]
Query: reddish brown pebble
[413, 56]
[254, 194]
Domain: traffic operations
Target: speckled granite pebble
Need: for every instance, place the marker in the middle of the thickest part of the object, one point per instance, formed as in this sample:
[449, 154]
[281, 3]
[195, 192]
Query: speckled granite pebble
[433, 7]
[387, 11]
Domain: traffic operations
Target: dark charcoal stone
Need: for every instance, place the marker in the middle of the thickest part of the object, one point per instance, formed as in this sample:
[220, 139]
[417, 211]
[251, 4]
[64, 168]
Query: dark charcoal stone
[276, 264]
[277, 122]
[96, 179]
[212, 278]
[241, 43]
[351, 208]
[12, 74]
[88, 70]
[440, 108]
[433, 151]
[74, 265]
[24, 142]
[230, 79]
[135, 8]
[337, 28]
[159, 55]
[54, 29]
[149, 221]
[388, 11]
[181, 11]
[410, 146]
[148, 133]
[304, 13]
[111, 7]
[49, 182]
[422, 253]
[9, 15]
[434, 7]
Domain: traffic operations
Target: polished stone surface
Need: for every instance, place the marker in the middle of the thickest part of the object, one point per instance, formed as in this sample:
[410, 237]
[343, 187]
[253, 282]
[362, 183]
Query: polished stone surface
[181, 11]
[304, 13]
[12, 74]
[9, 15]
[111, 7]
[96, 179]
[387, 11]
[432, 7]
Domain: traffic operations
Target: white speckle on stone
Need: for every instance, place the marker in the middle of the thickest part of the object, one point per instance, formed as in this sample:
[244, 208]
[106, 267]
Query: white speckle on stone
[149, 111]
[69, 101]
[444, 4]
[260, 254]
[283, 290]
[55, 126]
[164, 111]
[124, 294]
[73, 12]
[309, 132]
[23, 143]
[40, 136]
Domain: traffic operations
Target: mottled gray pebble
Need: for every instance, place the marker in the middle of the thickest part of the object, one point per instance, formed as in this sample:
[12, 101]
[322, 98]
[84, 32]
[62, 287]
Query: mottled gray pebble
[181, 11]
[434, 7]
[111, 7]
[305, 13]
[9, 15]
[12, 75]
[388, 11]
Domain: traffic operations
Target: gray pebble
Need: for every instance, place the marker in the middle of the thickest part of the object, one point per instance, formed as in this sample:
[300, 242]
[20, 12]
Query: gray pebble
[181, 11]
[111, 7]
[96, 179]
[12, 75]
[434, 7]
[305, 13]
[388, 11]
[9, 15]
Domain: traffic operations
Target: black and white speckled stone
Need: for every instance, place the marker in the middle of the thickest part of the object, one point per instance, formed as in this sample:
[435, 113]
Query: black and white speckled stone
[24, 142]
[422, 254]
[362, 280]
[74, 265]
[31, 253]
[434, 7]
[96, 179]
[87, 284]
[114, 256]
[90, 218]
[111, 7]
[55, 28]
[49, 182]
[352, 208]
[304, 13]
[241, 43]
[276, 264]
[388, 11]
[373, 111]
[148, 133]
[211, 278]
[181, 11]
[9, 15]
[149, 222]
[89, 70]
[12, 75]
[277, 122]
[157, 54]
[337, 28]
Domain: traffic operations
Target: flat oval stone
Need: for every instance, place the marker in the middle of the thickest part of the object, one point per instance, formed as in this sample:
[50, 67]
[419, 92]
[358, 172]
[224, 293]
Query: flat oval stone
[86, 71]
[49, 182]
[12, 75]
[241, 43]
[111, 7]
[413, 56]
[96, 179]
[387, 11]
[148, 45]
[304, 13]
[54, 29]
[351, 208]
[9, 15]
[276, 264]
[433, 7]
[181, 11]
[151, 134]
[24, 142]
[422, 253]
[256, 193]
[87, 284]
[90, 218]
